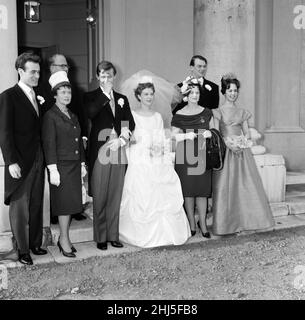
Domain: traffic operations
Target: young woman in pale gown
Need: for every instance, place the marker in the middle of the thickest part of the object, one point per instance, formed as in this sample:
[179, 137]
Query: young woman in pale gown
[239, 200]
[152, 211]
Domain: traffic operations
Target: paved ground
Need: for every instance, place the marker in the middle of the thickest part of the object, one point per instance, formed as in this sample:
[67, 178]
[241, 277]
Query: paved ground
[267, 265]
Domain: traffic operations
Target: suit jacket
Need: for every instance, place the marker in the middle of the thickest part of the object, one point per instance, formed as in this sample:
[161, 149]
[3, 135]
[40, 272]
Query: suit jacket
[99, 112]
[20, 135]
[209, 96]
[61, 137]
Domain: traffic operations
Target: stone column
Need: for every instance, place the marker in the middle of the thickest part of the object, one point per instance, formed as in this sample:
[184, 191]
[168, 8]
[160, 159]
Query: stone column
[224, 32]
[8, 54]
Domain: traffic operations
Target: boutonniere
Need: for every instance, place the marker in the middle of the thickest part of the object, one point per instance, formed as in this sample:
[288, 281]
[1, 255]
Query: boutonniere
[208, 87]
[121, 102]
[41, 100]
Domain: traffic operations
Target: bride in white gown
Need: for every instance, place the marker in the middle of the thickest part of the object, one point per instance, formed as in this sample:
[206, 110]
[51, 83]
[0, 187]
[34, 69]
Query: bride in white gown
[152, 211]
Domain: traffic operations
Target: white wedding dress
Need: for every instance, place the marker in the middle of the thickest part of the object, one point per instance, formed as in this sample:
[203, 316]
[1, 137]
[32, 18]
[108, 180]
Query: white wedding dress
[152, 211]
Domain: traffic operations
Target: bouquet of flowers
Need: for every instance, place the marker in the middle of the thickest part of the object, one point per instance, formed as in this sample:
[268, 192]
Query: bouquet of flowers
[159, 146]
[156, 149]
[237, 143]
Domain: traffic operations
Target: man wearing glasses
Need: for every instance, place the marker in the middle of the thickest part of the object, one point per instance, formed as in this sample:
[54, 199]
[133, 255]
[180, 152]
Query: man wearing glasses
[58, 62]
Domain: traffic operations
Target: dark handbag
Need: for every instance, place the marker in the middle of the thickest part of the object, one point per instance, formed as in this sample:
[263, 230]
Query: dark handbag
[215, 151]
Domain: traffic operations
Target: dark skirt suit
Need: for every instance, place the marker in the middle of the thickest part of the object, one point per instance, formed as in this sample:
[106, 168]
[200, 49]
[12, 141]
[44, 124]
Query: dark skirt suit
[190, 155]
[63, 146]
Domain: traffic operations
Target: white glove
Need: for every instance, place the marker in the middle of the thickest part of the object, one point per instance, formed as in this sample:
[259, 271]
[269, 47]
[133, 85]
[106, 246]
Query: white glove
[190, 136]
[207, 134]
[54, 175]
[15, 171]
[184, 136]
[114, 144]
[125, 133]
[84, 170]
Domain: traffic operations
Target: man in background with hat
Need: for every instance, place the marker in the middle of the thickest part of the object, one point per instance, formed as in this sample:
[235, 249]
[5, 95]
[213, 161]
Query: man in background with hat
[20, 141]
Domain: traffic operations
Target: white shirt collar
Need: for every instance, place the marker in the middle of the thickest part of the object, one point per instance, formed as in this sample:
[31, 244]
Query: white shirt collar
[107, 94]
[25, 88]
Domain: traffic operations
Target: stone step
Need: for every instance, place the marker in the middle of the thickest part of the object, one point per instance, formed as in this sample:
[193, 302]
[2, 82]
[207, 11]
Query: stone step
[295, 177]
[82, 231]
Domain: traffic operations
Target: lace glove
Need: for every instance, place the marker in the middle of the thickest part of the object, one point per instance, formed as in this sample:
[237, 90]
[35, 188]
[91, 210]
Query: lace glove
[84, 170]
[54, 175]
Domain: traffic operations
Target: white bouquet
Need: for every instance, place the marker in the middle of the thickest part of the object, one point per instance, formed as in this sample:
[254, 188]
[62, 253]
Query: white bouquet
[159, 146]
[237, 143]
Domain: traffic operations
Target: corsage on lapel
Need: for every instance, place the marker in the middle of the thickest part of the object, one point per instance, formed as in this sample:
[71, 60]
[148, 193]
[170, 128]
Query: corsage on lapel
[208, 87]
[41, 100]
[121, 102]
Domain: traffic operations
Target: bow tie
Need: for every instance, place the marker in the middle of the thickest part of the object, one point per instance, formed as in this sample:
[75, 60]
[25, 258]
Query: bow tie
[200, 80]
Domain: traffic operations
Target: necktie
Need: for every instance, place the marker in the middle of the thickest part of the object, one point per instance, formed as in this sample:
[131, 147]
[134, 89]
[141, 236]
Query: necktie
[34, 102]
[112, 104]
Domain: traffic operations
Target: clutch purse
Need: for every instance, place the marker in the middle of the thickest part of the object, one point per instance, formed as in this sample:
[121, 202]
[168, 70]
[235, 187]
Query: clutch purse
[215, 151]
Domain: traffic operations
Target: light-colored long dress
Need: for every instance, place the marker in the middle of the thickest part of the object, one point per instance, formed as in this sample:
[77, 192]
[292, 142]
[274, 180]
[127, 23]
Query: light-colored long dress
[239, 199]
[152, 211]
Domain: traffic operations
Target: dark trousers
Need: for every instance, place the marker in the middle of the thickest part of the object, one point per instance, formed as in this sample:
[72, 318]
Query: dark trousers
[26, 208]
[107, 183]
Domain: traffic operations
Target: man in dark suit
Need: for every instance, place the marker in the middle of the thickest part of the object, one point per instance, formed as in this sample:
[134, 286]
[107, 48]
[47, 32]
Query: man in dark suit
[20, 141]
[112, 123]
[209, 91]
[58, 62]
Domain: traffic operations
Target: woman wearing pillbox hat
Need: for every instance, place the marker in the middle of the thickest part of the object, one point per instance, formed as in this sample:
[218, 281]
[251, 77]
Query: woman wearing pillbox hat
[65, 160]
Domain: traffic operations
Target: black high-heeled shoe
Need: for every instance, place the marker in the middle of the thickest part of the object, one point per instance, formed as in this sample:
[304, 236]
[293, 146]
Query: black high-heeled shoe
[73, 249]
[65, 253]
[204, 234]
[193, 232]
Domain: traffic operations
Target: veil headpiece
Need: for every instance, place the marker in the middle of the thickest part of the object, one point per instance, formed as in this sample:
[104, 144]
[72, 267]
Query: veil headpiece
[165, 93]
[229, 76]
[146, 79]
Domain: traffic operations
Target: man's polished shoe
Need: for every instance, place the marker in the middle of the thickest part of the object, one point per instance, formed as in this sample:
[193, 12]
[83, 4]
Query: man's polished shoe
[25, 259]
[79, 217]
[102, 245]
[116, 244]
[39, 251]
